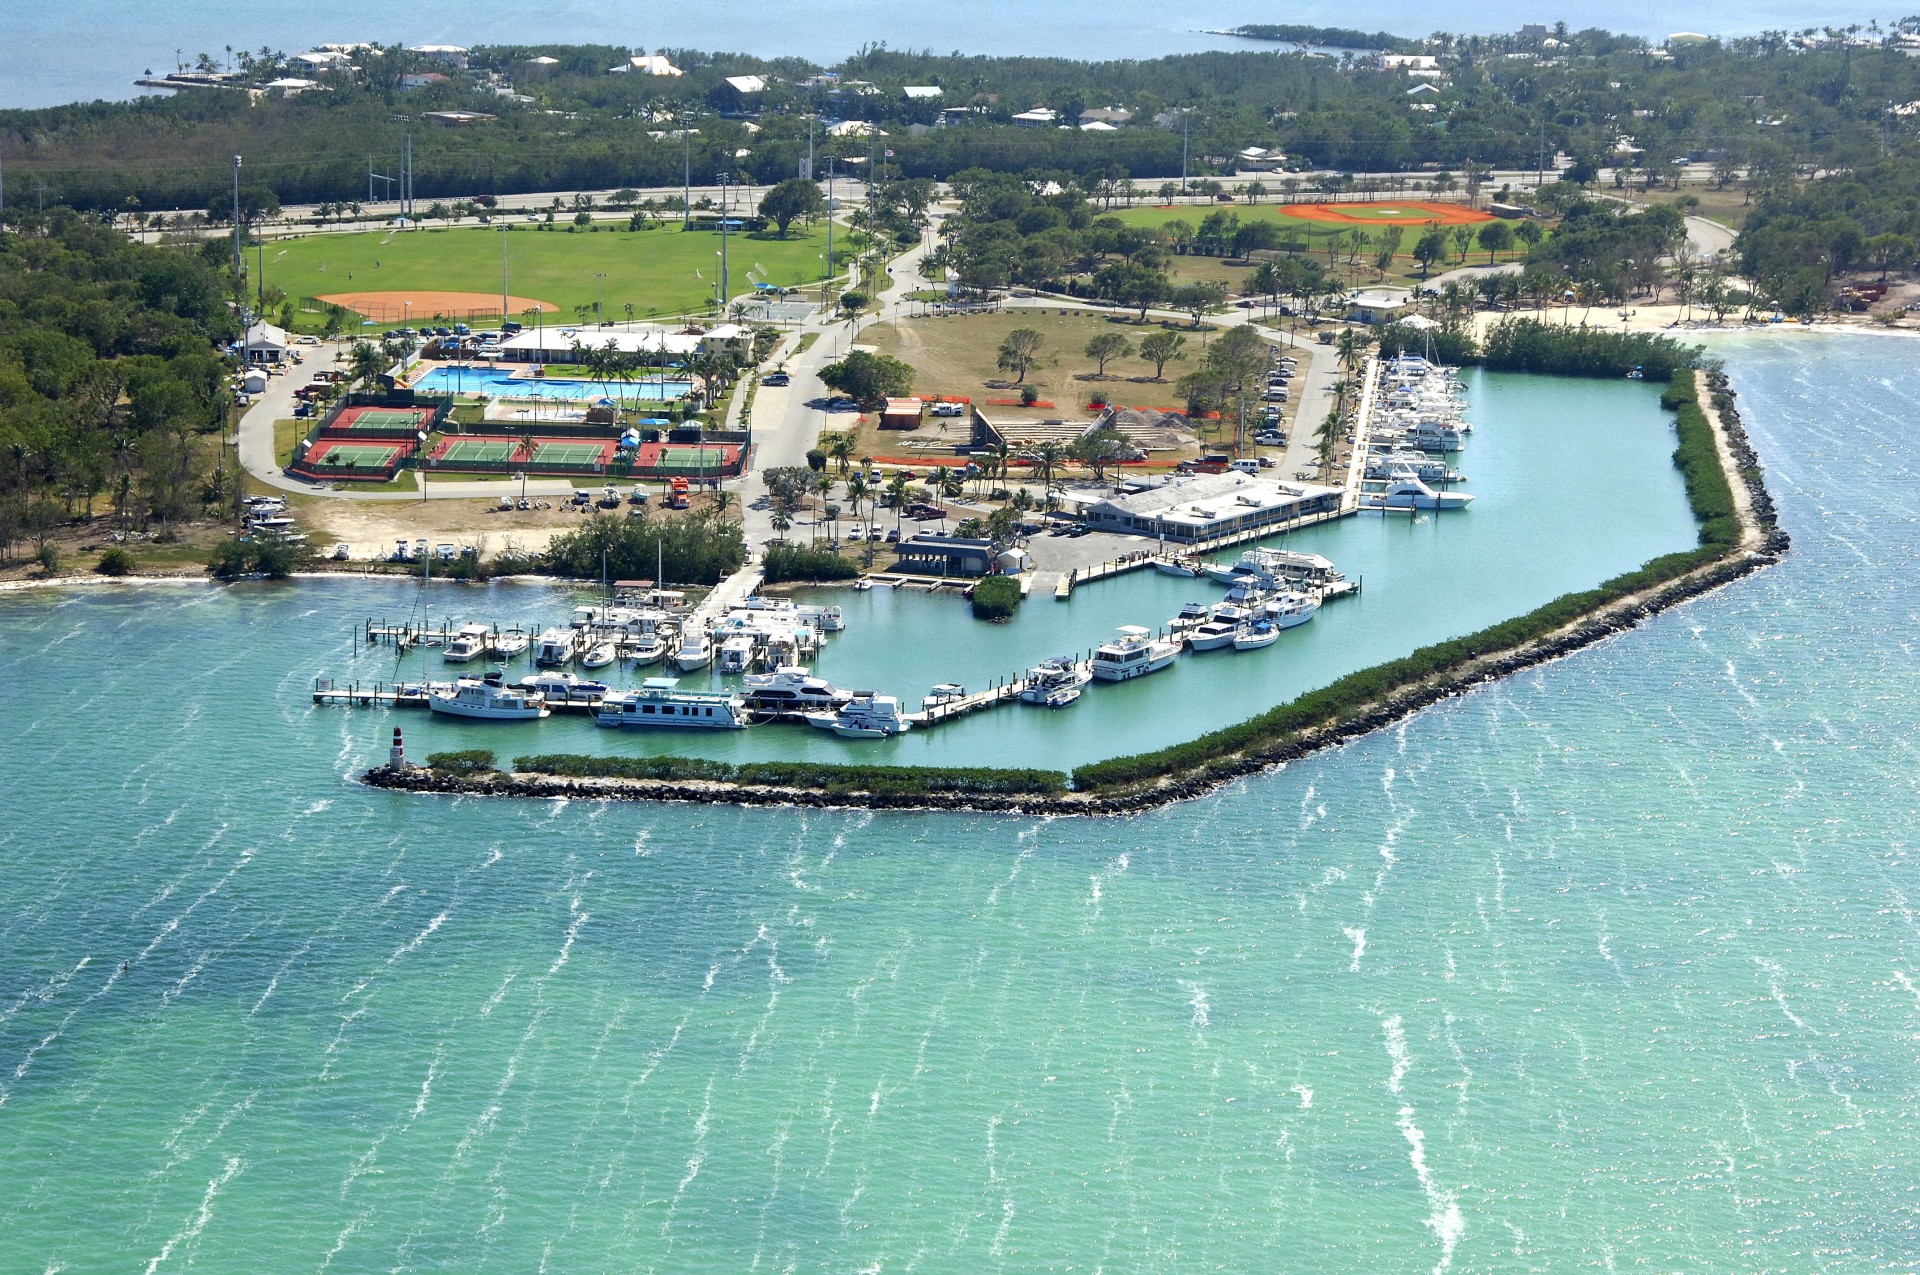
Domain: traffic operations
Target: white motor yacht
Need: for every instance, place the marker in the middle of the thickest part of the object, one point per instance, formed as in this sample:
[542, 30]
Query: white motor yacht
[555, 648]
[1432, 436]
[1136, 652]
[1411, 493]
[1428, 469]
[565, 688]
[696, 651]
[469, 643]
[659, 703]
[1213, 635]
[866, 716]
[645, 649]
[1054, 683]
[487, 698]
[792, 689]
[1289, 609]
[1184, 565]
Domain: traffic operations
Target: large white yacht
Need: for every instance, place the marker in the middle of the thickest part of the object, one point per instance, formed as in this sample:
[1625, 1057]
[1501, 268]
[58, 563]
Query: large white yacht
[865, 716]
[1212, 635]
[660, 703]
[1136, 652]
[791, 689]
[1411, 493]
[1428, 469]
[487, 698]
[1286, 610]
[564, 688]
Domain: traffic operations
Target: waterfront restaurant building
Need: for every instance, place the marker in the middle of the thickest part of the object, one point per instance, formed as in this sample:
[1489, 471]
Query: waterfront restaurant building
[1208, 506]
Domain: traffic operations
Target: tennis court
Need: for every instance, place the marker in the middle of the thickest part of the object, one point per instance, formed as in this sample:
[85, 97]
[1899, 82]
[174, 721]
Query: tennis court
[334, 455]
[583, 455]
[484, 450]
[386, 419]
[718, 458]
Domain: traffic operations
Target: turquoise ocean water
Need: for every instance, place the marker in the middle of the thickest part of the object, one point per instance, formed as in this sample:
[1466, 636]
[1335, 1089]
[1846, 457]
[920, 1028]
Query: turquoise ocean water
[1613, 966]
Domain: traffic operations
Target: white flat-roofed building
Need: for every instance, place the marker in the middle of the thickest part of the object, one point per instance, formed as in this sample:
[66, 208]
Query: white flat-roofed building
[555, 344]
[648, 64]
[1207, 506]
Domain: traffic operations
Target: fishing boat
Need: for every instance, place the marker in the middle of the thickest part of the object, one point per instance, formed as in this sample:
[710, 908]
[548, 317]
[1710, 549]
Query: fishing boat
[660, 704]
[1411, 494]
[487, 698]
[695, 652]
[1136, 652]
[1054, 683]
[469, 643]
[943, 694]
[1186, 566]
[508, 645]
[1251, 637]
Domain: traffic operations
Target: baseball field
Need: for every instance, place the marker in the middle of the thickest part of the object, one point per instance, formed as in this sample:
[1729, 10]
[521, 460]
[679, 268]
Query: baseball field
[633, 274]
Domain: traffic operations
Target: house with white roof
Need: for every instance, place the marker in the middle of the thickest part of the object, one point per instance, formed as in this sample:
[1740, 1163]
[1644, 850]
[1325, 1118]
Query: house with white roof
[1038, 117]
[647, 64]
[451, 55]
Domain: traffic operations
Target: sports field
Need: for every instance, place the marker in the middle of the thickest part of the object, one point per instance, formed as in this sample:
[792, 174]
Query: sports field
[664, 271]
[583, 455]
[1391, 213]
[675, 458]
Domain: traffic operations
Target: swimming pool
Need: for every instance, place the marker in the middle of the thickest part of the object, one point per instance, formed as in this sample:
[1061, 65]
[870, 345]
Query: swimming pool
[447, 380]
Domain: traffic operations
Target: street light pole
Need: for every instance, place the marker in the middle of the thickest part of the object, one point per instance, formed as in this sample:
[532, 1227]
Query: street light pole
[598, 275]
[725, 180]
[505, 313]
[239, 273]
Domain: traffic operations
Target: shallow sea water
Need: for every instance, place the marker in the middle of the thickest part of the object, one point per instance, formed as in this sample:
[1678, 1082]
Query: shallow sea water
[1612, 966]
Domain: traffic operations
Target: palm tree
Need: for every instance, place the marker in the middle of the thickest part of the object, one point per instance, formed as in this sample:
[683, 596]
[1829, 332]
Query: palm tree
[858, 490]
[782, 523]
[897, 489]
[364, 363]
[722, 501]
[841, 450]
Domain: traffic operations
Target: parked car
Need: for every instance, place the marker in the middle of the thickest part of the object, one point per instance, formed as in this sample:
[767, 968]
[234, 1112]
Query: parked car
[341, 551]
[843, 404]
[776, 378]
[306, 340]
[949, 409]
[446, 553]
[302, 411]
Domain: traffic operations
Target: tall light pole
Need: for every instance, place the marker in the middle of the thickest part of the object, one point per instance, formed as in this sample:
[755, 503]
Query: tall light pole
[725, 180]
[829, 274]
[505, 314]
[239, 273]
[598, 275]
[686, 176]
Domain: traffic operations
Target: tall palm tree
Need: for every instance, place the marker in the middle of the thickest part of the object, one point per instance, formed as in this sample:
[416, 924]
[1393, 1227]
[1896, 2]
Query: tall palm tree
[897, 489]
[858, 489]
[841, 450]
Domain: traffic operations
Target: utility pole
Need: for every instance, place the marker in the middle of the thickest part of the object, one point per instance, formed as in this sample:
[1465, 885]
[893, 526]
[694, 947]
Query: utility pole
[505, 314]
[1184, 127]
[686, 177]
[825, 279]
[808, 174]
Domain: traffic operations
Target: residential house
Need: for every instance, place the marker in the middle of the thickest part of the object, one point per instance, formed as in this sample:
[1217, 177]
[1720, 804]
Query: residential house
[1038, 117]
[647, 64]
[450, 55]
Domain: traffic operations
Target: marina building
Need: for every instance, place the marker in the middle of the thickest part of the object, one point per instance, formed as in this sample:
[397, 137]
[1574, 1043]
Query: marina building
[1207, 506]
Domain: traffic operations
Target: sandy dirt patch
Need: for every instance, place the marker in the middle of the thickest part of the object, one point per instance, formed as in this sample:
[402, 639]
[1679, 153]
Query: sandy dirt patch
[392, 307]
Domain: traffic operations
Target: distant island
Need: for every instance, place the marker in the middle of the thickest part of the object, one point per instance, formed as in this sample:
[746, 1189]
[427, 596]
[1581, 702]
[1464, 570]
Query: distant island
[1326, 37]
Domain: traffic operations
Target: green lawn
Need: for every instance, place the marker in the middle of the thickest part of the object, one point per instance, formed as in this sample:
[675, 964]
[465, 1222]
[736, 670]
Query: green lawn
[665, 271]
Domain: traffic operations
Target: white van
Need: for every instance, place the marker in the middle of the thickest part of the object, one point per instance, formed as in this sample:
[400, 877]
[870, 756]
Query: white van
[1245, 465]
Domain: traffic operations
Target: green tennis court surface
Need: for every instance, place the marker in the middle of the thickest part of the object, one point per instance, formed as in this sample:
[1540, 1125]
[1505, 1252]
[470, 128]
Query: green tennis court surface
[380, 418]
[568, 453]
[354, 455]
[480, 450]
[692, 460]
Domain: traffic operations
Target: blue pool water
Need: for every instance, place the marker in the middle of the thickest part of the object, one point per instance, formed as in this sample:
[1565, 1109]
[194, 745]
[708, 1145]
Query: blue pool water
[444, 380]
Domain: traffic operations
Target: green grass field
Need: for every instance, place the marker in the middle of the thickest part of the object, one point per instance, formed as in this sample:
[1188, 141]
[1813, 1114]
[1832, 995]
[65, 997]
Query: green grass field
[664, 271]
[1194, 214]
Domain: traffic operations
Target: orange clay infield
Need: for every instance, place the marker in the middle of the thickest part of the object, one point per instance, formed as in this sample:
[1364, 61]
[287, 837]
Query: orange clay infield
[1387, 214]
[428, 302]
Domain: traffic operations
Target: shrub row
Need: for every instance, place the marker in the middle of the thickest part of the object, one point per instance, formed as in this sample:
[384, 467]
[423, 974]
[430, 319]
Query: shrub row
[469, 762]
[1698, 461]
[886, 780]
[802, 562]
[1528, 345]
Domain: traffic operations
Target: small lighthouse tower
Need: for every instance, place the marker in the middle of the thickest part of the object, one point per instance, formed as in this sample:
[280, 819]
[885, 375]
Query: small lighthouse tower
[397, 758]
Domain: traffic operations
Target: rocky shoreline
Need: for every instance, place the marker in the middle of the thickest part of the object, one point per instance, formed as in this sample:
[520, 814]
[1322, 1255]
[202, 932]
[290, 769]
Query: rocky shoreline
[1763, 544]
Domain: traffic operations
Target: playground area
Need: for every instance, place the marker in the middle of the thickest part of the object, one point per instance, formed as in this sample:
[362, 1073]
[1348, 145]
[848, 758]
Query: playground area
[1387, 214]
